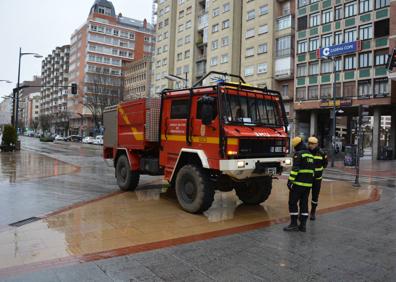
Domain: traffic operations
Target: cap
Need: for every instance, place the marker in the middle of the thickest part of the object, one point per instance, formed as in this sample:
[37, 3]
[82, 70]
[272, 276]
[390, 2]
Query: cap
[296, 141]
[313, 140]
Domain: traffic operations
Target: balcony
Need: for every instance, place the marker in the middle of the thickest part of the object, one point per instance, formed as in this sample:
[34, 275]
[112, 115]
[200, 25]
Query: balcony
[284, 68]
[284, 22]
[203, 21]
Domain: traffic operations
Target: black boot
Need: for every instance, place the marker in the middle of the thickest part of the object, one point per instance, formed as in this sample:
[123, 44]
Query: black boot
[313, 213]
[293, 224]
[303, 223]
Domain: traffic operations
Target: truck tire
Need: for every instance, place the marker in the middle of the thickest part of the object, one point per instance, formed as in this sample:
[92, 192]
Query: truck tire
[127, 179]
[255, 191]
[194, 190]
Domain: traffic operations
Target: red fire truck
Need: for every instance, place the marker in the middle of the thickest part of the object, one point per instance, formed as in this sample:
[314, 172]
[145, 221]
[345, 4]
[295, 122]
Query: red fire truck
[224, 136]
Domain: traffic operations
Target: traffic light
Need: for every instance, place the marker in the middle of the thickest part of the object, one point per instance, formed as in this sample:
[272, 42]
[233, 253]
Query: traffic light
[392, 60]
[74, 88]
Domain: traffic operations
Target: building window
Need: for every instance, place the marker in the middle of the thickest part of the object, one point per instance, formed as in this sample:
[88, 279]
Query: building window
[314, 44]
[338, 38]
[314, 20]
[262, 68]
[213, 61]
[381, 3]
[325, 91]
[224, 59]
[381, 87]
[215, 28]
[262, 48]
[365, 60]
[181, 14]
[226, 7]
[250, 33]
[326, 40]
[302, 46]
[225, 41]
[381, 57]
[188, 10]
[251, 15]
[188, 24]
[327, 66]
[216, 12]
[350, 9]
[249, 71]
[313, 68]
[313, 93]
[187, 54]
[226, 24]
[366, 32]
[365, 6]
[180, 42]
[215, 44]
[249, 52]
[338, 64]
[338, 13]
[349, 62]
[301, 70]
[349, 89]
[283, 46]
[364, 88]
[263, 29]
[301, 94]
[179, 56]
[327, 16]
[350, 35]
[263, 10]
[302, 3]
[180, 28]
[187, 39]
[381, 28]
[302, 23]
[285, 91]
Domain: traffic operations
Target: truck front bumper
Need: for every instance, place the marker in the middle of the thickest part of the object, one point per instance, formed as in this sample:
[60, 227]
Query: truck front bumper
[246, 168]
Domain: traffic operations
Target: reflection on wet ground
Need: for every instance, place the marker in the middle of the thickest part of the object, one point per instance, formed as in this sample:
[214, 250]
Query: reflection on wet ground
[25, 165]
[130, 222]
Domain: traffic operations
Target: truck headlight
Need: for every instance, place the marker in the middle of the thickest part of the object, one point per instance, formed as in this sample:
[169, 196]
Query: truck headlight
[288, 162]
[241, 164]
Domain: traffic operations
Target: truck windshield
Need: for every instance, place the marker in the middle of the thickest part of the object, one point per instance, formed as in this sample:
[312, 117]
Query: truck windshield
[253, 110]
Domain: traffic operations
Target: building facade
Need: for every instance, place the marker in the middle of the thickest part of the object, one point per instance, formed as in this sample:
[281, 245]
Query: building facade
[54, 97]
[5, 110]
[137, 79]
[361, 76]
[252, 38]
[99, 48]
[25, 95]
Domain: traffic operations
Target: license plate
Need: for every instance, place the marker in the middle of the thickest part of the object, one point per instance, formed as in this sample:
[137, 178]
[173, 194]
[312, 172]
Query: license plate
[271, 170]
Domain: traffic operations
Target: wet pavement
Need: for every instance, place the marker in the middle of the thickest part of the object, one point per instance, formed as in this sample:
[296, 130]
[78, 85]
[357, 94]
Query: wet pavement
[90, 231]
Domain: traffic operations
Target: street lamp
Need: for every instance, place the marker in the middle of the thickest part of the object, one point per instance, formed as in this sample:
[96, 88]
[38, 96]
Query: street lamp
[5, 80]
[16, 93]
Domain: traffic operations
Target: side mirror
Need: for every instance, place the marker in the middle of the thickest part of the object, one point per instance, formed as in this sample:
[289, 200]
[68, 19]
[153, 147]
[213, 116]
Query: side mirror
[207, 109]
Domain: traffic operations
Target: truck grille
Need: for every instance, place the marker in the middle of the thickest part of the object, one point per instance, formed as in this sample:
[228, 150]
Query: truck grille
[253, 148]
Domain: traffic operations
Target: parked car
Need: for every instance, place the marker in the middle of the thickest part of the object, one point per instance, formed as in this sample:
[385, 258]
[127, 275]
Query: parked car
[73, 138]
[88, 140]
[98, 140]
[59, 138]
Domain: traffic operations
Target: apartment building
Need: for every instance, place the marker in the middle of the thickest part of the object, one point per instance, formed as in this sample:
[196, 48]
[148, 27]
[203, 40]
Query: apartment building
[248, 37]
[24, 97]
[361, 76]
[99, 49]
[137, 79]
[54, 97]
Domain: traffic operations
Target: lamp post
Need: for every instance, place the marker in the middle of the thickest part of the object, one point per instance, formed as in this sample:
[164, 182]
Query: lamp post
[16, 94]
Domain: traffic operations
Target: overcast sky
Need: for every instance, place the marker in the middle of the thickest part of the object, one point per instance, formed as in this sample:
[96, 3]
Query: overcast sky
[41, 25]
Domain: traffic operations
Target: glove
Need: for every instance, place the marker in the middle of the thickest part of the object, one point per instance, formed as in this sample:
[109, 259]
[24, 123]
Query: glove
[289, 184]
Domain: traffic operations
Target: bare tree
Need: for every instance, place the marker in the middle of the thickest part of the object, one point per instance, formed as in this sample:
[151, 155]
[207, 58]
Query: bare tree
[103, 91]
[34, 124]
[45, 122]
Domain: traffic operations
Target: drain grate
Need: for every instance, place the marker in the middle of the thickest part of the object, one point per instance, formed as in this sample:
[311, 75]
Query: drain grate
[24, 221]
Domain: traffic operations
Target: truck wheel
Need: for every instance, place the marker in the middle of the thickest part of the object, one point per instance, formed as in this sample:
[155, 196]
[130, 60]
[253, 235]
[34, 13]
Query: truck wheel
[194, 189]
[126, 178]
[255, 191]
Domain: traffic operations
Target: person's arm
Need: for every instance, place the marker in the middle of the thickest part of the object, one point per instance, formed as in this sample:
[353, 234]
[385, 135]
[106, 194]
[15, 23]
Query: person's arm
[325, 160]
[295, 169]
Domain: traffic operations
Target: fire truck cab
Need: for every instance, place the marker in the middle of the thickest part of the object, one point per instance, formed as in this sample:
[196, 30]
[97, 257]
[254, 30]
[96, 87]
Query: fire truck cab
[218, 137]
